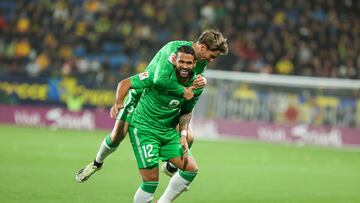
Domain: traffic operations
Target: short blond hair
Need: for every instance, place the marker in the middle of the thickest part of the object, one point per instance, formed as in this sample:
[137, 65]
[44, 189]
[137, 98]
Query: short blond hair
[214, 40]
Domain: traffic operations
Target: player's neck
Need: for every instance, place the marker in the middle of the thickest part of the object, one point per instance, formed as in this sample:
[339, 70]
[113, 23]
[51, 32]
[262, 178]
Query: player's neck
[196, 48]
[183, 80]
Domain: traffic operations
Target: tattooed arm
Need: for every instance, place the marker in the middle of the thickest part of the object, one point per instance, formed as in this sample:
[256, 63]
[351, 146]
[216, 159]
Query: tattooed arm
[184, 121]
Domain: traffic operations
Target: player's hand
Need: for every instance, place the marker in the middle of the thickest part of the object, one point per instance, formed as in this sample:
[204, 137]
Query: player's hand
[199, 82]
[188, 93]
[185, 146]
[115, 110]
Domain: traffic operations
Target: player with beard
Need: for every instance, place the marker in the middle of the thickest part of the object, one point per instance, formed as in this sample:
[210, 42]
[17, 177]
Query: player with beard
[207, 48]
[152, 129]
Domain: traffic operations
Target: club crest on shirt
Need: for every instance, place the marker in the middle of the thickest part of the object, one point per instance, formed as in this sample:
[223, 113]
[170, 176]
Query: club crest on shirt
[172, 58]
[143, 75]
[174, 103]
[131, 109]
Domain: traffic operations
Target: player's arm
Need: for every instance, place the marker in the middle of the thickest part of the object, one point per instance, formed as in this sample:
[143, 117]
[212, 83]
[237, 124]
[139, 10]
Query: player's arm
[184, 121]
[138, 81]
[186, 111]
[200, 82]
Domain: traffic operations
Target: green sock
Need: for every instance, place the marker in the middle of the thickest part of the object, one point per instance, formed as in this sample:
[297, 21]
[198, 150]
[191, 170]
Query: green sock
[105, 149]
[109, 142]
[188, 175]
[149, 186]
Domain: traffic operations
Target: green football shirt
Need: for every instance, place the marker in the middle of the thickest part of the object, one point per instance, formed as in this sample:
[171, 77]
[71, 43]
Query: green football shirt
[158, 109]
[161, 67]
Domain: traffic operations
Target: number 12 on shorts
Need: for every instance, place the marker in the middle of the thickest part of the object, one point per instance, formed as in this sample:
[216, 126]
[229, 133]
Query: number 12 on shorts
[147, 149]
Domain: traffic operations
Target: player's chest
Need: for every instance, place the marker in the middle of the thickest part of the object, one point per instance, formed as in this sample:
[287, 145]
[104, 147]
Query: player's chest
[164, 100]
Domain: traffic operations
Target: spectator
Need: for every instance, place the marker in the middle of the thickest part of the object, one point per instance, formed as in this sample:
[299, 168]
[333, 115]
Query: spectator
[23, 24]
[22, 48]
[2, 22]
[284, 66]
[312, 38]
[74, 102]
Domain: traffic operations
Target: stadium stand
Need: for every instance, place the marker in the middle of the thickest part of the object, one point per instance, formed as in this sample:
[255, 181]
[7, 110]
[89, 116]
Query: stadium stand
[104, 41]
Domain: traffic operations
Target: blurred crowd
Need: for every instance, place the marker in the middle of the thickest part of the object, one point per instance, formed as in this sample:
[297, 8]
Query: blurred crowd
[101, 42]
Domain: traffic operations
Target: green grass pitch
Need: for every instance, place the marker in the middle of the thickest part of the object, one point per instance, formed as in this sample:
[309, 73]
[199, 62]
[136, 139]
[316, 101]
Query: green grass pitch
[38, 165]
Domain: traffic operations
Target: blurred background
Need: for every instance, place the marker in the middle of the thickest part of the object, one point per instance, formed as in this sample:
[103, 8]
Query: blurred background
[72, 53]
[292, 75]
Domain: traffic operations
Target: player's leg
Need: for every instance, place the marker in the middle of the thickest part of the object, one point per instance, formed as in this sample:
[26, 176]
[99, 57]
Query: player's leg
[180, 181]
[146, 150]
[170, 169]
[190, 137]
[146, 190]
[118, 133]
[108, 145]
[184, 176]
[112, 141]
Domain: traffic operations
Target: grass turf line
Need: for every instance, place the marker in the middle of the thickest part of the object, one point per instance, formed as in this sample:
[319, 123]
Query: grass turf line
[39, 165]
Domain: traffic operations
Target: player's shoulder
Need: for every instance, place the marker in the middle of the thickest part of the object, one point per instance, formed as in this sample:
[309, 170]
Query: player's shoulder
[168, 51]
[171, 47]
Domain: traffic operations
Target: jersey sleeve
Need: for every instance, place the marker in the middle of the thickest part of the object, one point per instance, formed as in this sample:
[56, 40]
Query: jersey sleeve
[141, 81]
[163, 70]
[197, 91]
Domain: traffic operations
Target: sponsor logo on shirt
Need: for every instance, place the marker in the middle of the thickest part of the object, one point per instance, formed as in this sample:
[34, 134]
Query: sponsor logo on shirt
[143, 75]
[172, 58]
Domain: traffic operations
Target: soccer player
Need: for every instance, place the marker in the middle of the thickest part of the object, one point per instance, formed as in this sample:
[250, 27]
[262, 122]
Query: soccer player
[208, 46]
[152, 129]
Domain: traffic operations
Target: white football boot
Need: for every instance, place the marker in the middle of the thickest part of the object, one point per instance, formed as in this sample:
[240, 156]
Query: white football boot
[83, 174]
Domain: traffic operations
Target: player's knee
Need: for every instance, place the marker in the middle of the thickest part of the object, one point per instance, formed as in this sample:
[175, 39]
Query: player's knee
[190, 140]
[150, 174]
[150, 177]
[192, 167]
[195, 169]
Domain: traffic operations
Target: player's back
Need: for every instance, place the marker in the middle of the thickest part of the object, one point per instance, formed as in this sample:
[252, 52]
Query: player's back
[164, 58]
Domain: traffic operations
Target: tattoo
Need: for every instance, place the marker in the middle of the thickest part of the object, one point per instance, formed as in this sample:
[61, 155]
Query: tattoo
[184, 121]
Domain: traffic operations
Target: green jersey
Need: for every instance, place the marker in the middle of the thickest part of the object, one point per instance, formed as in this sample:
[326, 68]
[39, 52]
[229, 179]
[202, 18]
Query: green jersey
[161, 67]
[158, 109]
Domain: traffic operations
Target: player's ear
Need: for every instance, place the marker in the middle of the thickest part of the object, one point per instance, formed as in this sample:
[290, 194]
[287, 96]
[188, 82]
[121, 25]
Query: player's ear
[173, 59]
[203, 46]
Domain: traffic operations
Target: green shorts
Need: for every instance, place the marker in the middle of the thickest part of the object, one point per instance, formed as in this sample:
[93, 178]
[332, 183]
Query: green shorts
[131, 101]
[150, 146]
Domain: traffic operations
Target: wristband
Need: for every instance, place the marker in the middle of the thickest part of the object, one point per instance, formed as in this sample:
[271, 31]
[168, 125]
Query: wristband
[184, 133]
